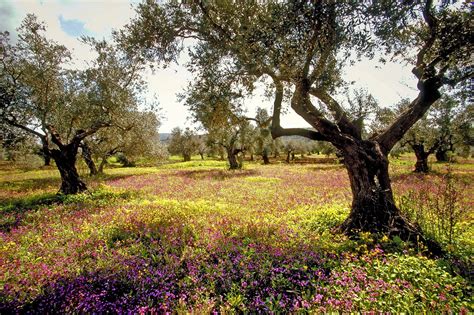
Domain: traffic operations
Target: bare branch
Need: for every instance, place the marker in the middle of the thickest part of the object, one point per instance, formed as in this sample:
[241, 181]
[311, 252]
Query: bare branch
[55, 137]
[81, 134]
[25, 128]
[277, 130]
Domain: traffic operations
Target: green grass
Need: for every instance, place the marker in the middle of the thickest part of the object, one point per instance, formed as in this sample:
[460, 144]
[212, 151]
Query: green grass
[222, 239]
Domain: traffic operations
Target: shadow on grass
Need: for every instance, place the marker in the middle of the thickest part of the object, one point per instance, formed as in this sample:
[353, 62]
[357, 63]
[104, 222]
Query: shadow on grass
[215, 174]
[29, 184]
[465, 178]
[327, 167]
[13, 211]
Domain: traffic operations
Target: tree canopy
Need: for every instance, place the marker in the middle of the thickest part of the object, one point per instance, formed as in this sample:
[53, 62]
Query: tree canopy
[299, 49]
[41, 95]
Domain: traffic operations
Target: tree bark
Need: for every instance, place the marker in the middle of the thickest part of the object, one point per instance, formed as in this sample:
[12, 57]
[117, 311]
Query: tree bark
[202, 155]
[288, 155]
[45, 154]
[232, 158]
[87, 156]
[65, 159]
[421, 165]
[47, 160]
[266, 160]
[186, 157]
[373, 207]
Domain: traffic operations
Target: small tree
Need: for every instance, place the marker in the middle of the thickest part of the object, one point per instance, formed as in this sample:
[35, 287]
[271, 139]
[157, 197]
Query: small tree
[184, 143]
[434, 133]
[134, 134]
[203, 148]
[263, 139]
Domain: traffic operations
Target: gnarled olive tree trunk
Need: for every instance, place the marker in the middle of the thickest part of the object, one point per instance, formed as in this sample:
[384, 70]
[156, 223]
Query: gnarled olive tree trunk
[421, 165]
[186, 157]
[232, 158]
[65, 159]
[373, 205]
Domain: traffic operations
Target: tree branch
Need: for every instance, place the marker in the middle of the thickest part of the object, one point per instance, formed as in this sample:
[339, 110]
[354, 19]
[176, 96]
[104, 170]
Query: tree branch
[277, 130]
[429, 94]
[81, 134]
[337, 112]
[55, 137]
[25, 128]
[432, 25]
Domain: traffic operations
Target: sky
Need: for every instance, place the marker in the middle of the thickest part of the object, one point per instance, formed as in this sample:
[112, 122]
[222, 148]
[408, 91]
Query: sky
[67, 20]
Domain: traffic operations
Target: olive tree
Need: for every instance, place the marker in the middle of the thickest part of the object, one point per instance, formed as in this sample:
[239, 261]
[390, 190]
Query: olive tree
[184, 143]
[62, 107]
[134, 134]
[302, 47]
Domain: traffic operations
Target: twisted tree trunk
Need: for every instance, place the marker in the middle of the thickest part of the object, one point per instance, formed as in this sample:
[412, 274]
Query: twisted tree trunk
[65, 159]
[288, 155]
[186, 157]
[234, 163]
[373, 206]
[421, 165]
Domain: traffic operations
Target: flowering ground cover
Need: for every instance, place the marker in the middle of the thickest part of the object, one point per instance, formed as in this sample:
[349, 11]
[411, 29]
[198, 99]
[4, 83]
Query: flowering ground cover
[194, 237]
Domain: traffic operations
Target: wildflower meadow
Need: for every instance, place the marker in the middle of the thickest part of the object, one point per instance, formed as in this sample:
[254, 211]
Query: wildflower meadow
[197, 238]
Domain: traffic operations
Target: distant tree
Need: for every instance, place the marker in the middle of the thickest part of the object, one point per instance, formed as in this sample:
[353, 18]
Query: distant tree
[465, 131]
[16, 142]
[277, 147]
[302, 47]
[229, 138]
[184, 143]
[213, 101]
[289, 147]
[62, 107]
[202, 148]
[263, 138]
[435, 133]
[134, 134]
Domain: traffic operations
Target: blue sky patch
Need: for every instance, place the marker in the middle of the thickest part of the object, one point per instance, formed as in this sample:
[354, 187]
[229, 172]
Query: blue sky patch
[73, 28]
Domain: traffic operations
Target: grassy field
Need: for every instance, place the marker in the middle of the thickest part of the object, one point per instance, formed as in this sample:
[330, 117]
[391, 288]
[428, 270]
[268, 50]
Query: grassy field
[195, 237]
